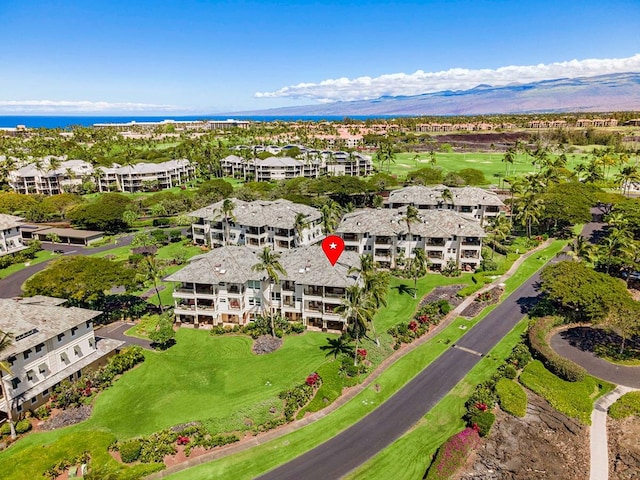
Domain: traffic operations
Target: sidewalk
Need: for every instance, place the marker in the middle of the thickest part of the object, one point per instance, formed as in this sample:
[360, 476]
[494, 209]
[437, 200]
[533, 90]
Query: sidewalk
[599, 443]
[250, 442]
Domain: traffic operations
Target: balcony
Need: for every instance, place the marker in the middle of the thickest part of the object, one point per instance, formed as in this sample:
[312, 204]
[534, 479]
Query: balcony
[471, 241]
[313, 291]
[434, 242]
[334, 292]
[184, 293]
[235, 304]
[470, 254]
[383, 241]
[350, 237]
[438, 255]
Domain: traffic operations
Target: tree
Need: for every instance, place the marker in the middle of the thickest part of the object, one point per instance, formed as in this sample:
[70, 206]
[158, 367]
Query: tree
[164, 335]
[299, 225]
[338, 346]
[5, 342]
[330, 212]
[226, 210]
[580, 249]
[106, 213]
[411, 216]
[529, 211]
[418, 267]
[150, 270]
[624, 319]
[447, 196]
[499, 230]
[269, 262]
[82, 280]
[357, 309]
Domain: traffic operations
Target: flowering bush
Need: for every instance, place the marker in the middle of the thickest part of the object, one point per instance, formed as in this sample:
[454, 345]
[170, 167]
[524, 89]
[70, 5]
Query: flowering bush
[182, 440]
[362, 353]
[453, 454]
[312, 379]
[413, 326]
[423, 318]
[481, 406]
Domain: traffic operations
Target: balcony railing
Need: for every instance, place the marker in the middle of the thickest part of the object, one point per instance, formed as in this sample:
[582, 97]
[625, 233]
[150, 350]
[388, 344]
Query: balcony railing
[471, 241]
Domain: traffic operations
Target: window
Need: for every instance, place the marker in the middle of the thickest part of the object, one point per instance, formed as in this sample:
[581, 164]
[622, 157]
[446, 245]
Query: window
[30, 375]
[42, 368]
[26, 353]
[64, 357]
[88, 323]
[34, 400]
[77, 351]
[39, 347]
[91, 342]
[73, 331]
[45, 392]
[15, 382]
[60, 336]
[12, 360]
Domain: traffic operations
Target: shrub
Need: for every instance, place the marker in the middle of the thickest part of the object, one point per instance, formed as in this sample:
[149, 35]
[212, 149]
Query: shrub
[130, 450]
[5, 429]
[43, 412]
[520, 356]
[511, 397]
[625, 406]
[560, 366]
[482, 395]
[23, 426]
[453, 454]
[482, 422]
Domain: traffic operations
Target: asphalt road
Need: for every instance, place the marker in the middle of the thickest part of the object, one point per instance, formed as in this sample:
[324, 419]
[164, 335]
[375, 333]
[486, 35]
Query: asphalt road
[354, 446]
[11, 286]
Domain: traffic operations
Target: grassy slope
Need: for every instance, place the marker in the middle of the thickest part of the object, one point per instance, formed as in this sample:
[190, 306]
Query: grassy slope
[41, 256]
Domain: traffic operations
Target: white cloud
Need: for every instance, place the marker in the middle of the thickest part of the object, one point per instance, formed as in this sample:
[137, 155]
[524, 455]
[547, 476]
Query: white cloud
[395, 84]
[71, 106]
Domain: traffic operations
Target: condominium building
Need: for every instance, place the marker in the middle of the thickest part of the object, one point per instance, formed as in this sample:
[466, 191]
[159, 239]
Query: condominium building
[50, 343]
[257, 224]
[52, 176]
[10, 234]
[142, 177]
[476, 202]
[222, 288]
[444, 236]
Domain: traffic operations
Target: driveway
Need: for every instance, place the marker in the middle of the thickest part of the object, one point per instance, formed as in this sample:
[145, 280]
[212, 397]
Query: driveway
[116, 331]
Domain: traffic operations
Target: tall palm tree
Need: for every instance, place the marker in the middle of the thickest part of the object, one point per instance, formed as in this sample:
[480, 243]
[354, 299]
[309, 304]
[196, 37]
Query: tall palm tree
[580, 249]
[5, 341]
[419, 268]
[530, 209]
[269, 262]
[357, 309]
[508, 159]
[410, 217]
[299, 224]
[447, 196]
[330, 212]
[226, 210]
[375, 284]
[499, 229]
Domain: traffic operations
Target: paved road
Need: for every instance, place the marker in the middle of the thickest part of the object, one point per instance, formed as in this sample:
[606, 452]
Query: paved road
[11, 286]
[618, 374]
[354, 446]
[116, 331]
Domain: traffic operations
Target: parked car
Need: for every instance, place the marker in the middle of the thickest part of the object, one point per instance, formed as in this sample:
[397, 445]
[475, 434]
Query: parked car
[58, 251]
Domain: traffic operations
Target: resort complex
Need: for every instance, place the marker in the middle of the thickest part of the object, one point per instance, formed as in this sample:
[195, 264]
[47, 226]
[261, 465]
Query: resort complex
[10, 234]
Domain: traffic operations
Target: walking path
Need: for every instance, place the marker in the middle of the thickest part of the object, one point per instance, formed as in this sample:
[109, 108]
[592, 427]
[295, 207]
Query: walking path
[437, 387]
[599, 444]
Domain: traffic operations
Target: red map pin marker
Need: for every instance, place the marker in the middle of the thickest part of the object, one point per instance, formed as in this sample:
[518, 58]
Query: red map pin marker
[333, 246]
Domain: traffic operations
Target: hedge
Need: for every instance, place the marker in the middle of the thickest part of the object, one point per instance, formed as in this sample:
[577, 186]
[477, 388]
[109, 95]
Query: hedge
[453, 454]
[511, 397]
[560, 366]
[625, 406]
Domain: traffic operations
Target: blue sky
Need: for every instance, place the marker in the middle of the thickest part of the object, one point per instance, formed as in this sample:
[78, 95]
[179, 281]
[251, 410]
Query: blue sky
[203, 56]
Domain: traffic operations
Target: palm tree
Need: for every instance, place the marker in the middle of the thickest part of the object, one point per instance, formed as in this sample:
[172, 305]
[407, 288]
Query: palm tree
[5, 342]
[530, 209]
[410, 217]
[357, 309]
[419, 268]
[375, 284]
[330, 212]
[299, 224]
[226, 210]
[153, 272]
[580, 249]
[499, 229]
[338, 346]
[269, 262]
[508, 159]
[447, 196]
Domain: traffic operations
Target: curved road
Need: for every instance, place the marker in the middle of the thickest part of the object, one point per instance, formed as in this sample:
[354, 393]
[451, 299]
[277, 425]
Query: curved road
[11, 286]
[354, 446]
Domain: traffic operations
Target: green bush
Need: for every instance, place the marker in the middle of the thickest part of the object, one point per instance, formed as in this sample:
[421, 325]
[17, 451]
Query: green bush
[560, 366]
[23, 426]
[626, 405]
[483, 394]
[483, 421]
[5, 429]
[511, 397]
[520, 356]
[130, 450]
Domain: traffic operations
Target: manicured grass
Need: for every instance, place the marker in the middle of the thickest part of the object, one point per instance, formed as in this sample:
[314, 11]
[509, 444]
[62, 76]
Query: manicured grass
[144, 327]
[224, 384]
[532, 265]
[574, 399]
[41, 256]
[626, 405]
[410, 455]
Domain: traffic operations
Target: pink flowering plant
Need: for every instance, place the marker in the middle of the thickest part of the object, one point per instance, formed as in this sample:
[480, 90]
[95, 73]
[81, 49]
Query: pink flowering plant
[453, 454]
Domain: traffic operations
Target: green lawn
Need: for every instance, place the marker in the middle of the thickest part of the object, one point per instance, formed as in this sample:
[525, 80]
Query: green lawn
[41, 256]
[223, 379]
[574, 399]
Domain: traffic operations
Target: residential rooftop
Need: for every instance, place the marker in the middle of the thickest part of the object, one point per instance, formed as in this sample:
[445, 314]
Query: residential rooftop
[432, 195]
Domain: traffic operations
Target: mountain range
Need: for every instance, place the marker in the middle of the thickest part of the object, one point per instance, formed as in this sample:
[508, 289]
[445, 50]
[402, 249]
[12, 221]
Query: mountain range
[602, 93]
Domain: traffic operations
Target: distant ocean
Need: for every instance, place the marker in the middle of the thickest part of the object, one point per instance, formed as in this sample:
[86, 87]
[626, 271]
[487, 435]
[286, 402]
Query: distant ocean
[54, 121]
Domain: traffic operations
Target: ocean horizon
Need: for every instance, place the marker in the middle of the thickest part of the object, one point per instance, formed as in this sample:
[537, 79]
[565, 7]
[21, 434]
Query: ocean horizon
[67, 121]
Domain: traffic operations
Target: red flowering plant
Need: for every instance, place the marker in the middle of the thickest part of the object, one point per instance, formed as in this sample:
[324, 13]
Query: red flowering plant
[481, 406]
[413, 326]
[362, 353]
[182, 440]
[423, 318]
[453, 454]
[312, 379]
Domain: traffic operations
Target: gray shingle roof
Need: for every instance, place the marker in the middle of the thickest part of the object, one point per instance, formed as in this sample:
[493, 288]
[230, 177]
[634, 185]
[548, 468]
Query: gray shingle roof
[233, 264]
[22, 316]
[277, 213]
[9, 221]
[390, 222]
[422, 195]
